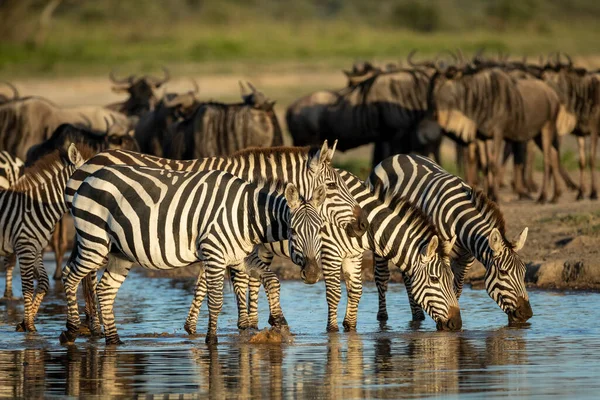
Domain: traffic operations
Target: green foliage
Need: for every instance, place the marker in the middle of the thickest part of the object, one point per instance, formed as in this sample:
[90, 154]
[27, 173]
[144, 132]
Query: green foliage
[417, 15]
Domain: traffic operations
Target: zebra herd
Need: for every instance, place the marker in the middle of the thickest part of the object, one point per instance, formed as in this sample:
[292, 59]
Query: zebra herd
[238, 212]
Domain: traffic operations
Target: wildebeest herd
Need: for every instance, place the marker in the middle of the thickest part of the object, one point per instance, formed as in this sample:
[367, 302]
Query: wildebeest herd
[241, 197]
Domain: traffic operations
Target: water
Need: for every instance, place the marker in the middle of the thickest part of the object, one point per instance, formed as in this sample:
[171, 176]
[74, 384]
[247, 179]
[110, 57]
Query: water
[558, 355]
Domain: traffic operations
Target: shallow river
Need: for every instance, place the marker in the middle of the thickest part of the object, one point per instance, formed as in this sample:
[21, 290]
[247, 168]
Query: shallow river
[557, 355]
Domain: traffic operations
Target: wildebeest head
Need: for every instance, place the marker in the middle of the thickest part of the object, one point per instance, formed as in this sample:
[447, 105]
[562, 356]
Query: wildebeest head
[141, 90]
[360, 72]
[182, 105]
[255, 98]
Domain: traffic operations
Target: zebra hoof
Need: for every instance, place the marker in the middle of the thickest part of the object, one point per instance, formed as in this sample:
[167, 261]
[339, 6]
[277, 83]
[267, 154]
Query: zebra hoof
[348, 327]
[211, 339]
[382, 316]
[190, 329]
[332, 328]
[67, 337]
[22, 327]
[113, 340]
[277, 321]
[418, 317]
[242, 326]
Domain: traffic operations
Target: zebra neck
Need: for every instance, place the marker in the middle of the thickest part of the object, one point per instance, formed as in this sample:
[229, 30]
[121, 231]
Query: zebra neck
[47, 188]
[477, 243]
[269, 217]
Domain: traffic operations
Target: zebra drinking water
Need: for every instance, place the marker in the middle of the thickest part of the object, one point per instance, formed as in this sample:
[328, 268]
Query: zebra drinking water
[163, 219]
[457, 209]
[399, 232]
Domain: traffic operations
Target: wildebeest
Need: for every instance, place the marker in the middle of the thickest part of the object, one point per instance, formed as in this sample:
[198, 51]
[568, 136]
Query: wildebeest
[154, 127]
[216, 129]
[141, 90]
[31, 120]
[96, 141]
[470, 101]
[6, 98]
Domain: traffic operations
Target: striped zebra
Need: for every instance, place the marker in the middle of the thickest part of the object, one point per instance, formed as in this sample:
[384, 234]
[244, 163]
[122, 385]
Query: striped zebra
[11, 169]
[399, 232]
[305, 168]
[29, 210]
[163, 219]
[457, 209]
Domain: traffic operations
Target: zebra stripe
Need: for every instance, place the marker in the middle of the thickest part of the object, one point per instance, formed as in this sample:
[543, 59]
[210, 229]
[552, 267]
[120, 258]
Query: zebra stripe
[29, 210]
[458, 210]
[11, 169]
[163, 219]
[399, 232]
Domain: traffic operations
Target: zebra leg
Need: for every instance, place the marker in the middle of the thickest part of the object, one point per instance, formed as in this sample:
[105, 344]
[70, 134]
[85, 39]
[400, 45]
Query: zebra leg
[199, 294]
[593, 147]
[240, 279]
[42, 286]
[27, 260]
[382, 278]
[415, 308]
[90, 283]
[352, 270]
[253, 290]
[9, 263]
[215, 274]
[59, 245]
[113, 277]
[333, 292]
[273, 289]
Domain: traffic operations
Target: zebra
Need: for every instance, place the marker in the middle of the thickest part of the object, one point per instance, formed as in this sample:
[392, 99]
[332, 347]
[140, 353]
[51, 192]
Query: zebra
[399, 232]
[11, 168]
[163, 219]
[304, 167]
[457, 209]
[29, 210]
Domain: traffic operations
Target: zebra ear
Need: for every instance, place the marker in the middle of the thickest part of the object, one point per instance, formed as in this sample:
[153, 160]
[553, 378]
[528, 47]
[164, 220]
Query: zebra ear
[331, 151]
[495, 241]
[319, 196]
[520, 242]
[449, 245]
[292, 196]
[319, 158]
[428, 252]
[74, 155]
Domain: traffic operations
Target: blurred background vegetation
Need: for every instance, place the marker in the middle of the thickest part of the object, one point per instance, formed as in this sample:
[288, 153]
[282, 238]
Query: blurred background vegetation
[65, 37]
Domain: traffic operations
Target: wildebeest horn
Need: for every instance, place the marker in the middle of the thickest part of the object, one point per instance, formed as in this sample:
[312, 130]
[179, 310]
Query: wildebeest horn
[409, 58]
[461, 56]
[160, 81]
[478, 53]
[13, 88]
[568, 59]
[195, 85]
[113, 78]
[243, 90]
[448, 52]
[251, 86]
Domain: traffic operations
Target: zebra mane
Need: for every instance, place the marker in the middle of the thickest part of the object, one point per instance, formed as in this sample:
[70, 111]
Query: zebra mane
[42, 169]
[267, 151]
[489, 209]
[271, 186]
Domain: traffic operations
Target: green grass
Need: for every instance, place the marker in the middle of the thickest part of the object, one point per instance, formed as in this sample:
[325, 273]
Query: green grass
[360, 167]
[74, 47]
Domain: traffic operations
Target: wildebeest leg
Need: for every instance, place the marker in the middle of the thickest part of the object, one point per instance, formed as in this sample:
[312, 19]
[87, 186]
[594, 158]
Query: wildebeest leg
[470, 157]
[582, 165]
[545, 140]
[593, 147]
[495, 160]
[532, 187]
[507, 150]
[381, 151]
[461, 156]
[519, 151]
[556, 165]
[59, 245]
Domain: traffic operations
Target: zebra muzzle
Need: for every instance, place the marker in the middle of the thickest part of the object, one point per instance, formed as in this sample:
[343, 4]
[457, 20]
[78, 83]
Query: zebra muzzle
[521, 313]
[359, 226]
[453, 323]
[311, 271]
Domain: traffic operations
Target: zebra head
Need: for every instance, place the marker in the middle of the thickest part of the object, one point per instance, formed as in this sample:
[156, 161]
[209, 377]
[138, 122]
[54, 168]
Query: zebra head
[304, 231]
[341, 208]
[11, 169]
[432, 284]
[505, 276]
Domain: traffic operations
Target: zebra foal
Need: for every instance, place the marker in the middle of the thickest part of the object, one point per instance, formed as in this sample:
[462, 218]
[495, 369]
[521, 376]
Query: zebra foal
[163, 219]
